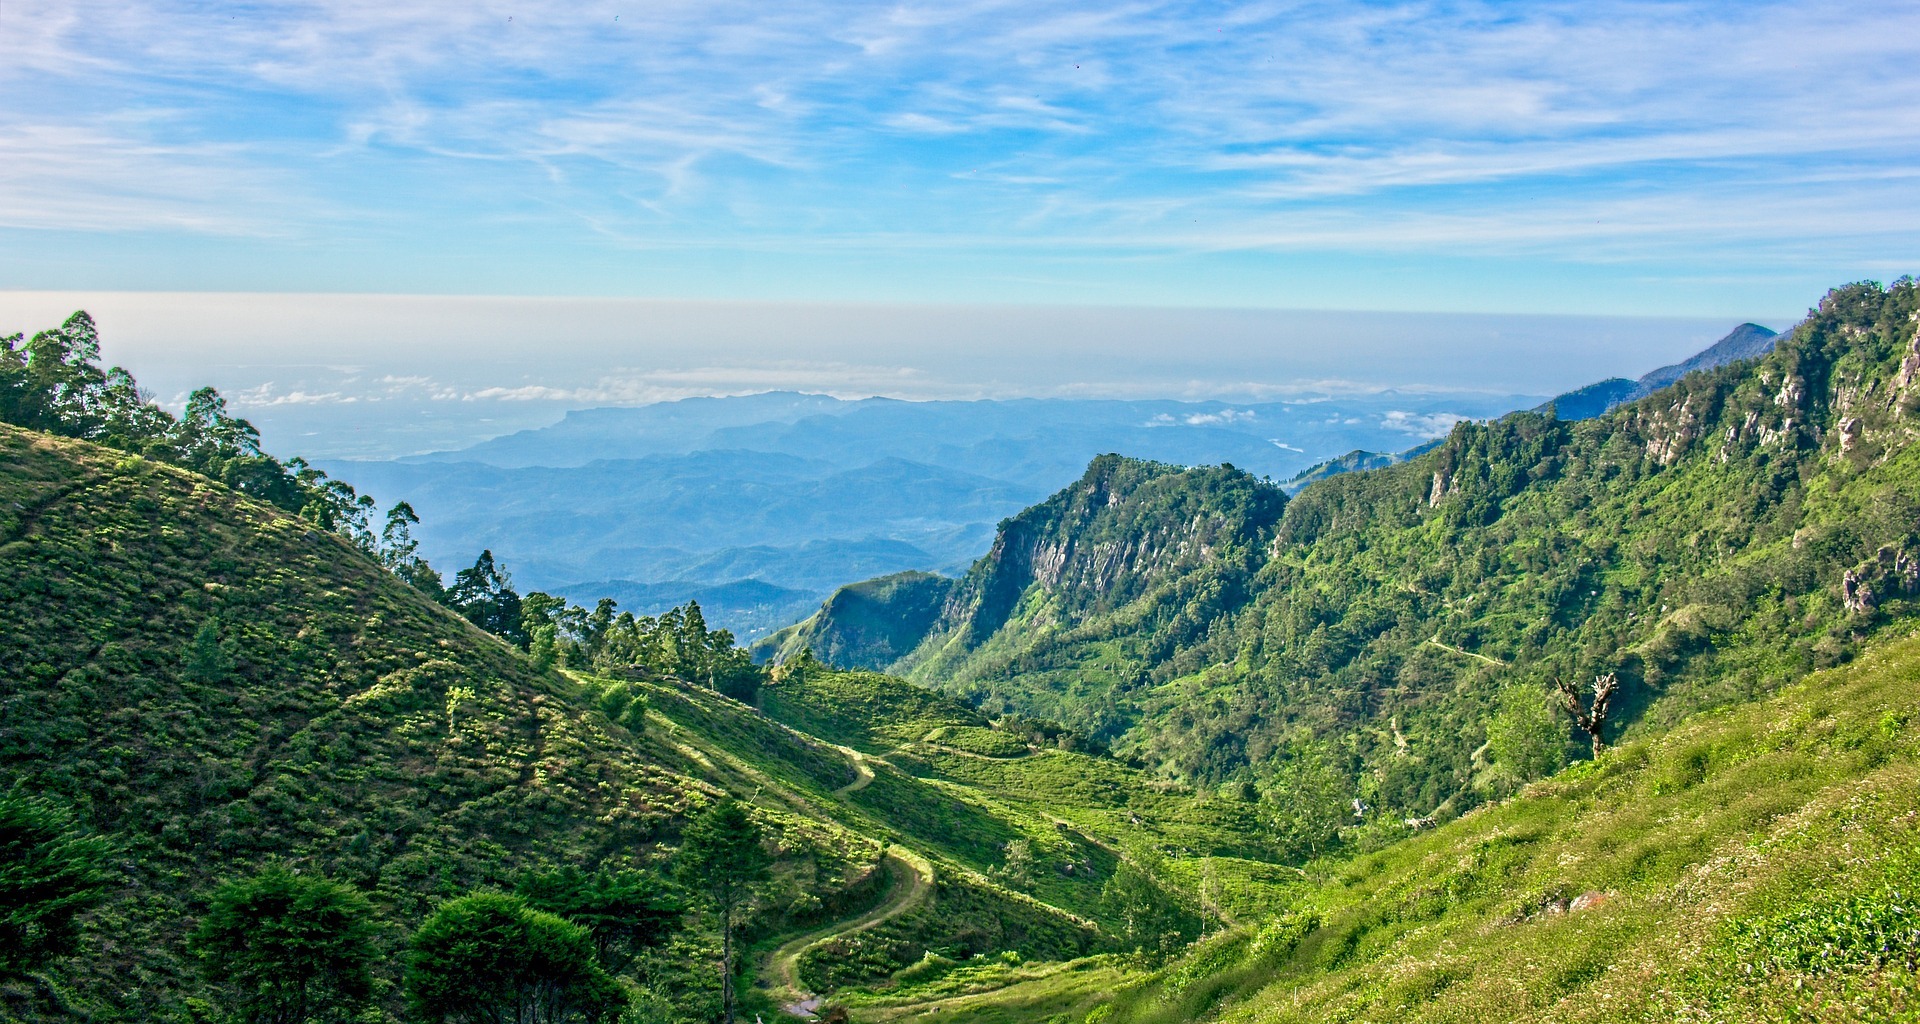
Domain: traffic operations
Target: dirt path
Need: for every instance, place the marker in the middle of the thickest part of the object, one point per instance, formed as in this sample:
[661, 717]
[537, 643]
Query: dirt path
[961, 752]
[863, 779]
[910, 883]
[1435, 641]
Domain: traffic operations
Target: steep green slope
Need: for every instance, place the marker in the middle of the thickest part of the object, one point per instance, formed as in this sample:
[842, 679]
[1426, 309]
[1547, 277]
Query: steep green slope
[941, 782]
[1118, 570]
[1354, 462]
[1754, 864]
[1696, 543]
[216, 685]
[870, 624]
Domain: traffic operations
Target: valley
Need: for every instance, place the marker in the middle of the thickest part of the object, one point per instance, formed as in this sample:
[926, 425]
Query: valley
[1182, 746]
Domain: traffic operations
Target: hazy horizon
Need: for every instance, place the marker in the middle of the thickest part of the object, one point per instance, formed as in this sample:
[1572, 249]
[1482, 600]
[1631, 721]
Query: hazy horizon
[372, 376]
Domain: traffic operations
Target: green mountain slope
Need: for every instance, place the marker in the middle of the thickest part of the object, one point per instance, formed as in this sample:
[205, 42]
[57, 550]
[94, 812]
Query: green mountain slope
[1136, 555]
[1754, 864]
[1695, 543]
[867, 624]
[215, 685]
[1354, 462]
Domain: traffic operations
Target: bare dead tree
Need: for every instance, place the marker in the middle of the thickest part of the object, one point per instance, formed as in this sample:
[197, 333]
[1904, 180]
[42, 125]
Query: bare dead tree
[1592, 718]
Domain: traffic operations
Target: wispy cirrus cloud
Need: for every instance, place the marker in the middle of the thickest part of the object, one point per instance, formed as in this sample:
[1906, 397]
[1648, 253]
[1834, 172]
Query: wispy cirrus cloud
[1048, 137]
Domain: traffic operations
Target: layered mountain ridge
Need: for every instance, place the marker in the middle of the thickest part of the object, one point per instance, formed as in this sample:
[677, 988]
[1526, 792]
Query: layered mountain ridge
[806, 492]
[1694, 542]
[1747, 341]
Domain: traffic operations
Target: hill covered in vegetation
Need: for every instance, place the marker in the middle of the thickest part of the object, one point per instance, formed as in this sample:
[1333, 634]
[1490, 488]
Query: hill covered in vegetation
[216, 687]
[1403, 628]
[1752, 864]
[1179, 748]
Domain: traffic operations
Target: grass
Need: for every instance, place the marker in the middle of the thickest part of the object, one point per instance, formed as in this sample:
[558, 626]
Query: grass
[1756, 864]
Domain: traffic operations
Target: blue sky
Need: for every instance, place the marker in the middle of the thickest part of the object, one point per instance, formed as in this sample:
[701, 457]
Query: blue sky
[1671, 159]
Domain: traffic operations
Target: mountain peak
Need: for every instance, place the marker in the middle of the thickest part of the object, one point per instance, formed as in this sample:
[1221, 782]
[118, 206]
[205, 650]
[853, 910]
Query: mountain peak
[1747, 341]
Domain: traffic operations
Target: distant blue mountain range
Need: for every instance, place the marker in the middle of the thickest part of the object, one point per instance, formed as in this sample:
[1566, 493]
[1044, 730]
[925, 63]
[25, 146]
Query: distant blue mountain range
[1747, 341]
[660, 503]
[760, 505]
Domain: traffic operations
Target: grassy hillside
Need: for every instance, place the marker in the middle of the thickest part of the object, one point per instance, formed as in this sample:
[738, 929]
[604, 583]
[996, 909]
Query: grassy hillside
[1754, 864]
[215, 685]
[1388, 624]
[946, 784]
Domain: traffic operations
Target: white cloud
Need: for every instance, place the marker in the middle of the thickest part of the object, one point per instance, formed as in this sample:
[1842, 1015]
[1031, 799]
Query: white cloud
[1200, 419]
[1164, 126]
[267, 396]
[1423, 425]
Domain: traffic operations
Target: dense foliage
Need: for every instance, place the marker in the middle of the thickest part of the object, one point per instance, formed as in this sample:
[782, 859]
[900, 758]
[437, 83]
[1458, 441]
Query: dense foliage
[288, 948]
[52, 382]
[50, 874]
[489, 958]
[675, 644]
[1706, 544]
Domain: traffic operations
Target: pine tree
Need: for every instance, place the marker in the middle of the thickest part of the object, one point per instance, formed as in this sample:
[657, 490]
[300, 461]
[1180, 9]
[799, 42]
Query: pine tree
[50, 874]
[209, 659]
[723, 857]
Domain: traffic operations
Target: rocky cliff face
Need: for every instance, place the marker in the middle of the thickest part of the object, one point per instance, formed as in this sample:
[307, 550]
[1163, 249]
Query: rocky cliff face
[1125, 531]
[1111, 537]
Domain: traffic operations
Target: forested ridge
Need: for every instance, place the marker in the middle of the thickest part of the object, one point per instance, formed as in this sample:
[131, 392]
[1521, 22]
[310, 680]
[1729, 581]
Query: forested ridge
[1404, 628]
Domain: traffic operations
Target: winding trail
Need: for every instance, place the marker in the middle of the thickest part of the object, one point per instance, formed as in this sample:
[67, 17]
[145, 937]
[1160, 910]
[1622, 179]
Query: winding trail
[864, 776]
[1435, 641]
[909, 885]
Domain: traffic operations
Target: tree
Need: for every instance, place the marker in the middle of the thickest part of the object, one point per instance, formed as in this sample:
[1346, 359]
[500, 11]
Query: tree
[50, 874]
[1593, 718]
[400, 552]
[1309, 800]
[1526, 739]
[484, 595]
[488, 958]
[209, 657]
[627, 911]
[1150, 916]
[1016, 871]
[291, 948]
[722, 857]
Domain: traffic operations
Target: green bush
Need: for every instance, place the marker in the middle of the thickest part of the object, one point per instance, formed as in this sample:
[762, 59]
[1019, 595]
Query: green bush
[488, 957]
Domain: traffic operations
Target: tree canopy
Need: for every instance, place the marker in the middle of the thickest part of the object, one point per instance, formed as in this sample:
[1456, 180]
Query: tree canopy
[673, 645]
[50, 874]
[723, 856]
[627, 911]
[290, 948]
[489, 958]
